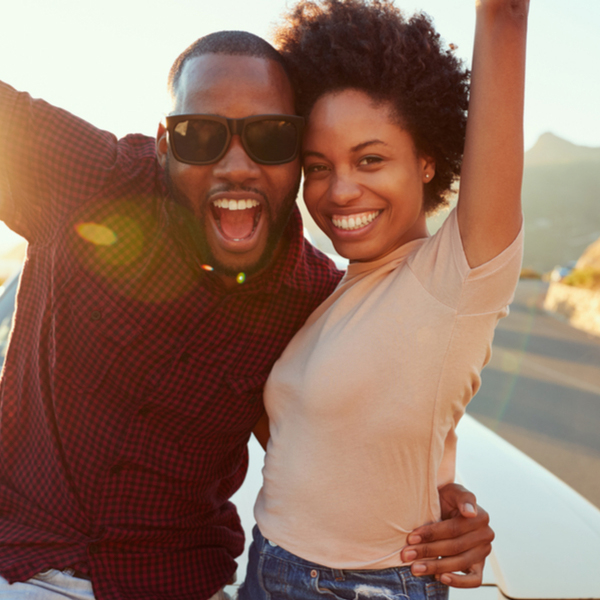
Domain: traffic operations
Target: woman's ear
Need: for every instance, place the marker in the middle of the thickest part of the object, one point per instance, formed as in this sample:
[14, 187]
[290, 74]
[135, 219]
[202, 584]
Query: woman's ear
[428, 169]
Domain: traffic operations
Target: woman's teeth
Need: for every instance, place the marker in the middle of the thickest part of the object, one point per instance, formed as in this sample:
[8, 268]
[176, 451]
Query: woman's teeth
[235, 204]
[352, 222]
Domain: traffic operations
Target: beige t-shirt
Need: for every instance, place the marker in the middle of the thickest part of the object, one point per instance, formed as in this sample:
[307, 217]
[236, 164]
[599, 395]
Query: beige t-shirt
[364, 401]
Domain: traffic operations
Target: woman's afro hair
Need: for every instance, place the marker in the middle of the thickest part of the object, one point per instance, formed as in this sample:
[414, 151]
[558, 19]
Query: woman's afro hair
[368, 45]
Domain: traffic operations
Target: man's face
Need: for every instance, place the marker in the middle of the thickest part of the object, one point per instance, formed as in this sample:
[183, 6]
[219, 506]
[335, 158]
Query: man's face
[241, 207]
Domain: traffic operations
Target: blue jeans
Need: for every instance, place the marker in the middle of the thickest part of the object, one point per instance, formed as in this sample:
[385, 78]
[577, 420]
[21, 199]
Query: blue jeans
[275, 574]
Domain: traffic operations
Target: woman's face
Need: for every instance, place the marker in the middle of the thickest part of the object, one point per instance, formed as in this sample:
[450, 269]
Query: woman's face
[363, 179]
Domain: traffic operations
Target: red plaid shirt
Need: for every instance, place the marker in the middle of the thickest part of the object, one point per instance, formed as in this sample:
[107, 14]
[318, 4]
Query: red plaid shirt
[133, 378]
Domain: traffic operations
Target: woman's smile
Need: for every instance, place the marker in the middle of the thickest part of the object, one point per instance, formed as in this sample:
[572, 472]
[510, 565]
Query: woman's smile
[354, 222]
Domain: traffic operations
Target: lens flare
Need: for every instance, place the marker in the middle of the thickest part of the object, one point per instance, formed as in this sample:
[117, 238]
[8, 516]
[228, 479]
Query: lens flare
[97, 234]
[208, 268]
[241, 277]
[124, 244]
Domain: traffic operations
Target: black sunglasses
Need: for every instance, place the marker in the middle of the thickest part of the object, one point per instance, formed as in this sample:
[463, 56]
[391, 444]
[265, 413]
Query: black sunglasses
[204, 139]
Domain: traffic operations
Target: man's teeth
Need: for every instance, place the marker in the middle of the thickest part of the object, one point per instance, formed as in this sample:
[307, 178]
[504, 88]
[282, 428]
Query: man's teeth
[355, 221]
[235, 204]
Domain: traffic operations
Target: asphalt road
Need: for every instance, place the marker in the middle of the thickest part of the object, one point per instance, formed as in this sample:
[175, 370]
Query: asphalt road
[541, 391]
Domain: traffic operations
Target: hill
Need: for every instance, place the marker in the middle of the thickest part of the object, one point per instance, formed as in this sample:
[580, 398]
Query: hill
[552, 150]
[561, 201]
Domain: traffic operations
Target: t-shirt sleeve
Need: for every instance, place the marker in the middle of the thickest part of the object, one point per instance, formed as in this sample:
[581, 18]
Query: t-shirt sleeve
[442, 268]
[50, 163]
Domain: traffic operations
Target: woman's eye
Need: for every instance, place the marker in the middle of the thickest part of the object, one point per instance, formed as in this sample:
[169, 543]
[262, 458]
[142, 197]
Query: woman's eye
[370, 160]
[315, 168]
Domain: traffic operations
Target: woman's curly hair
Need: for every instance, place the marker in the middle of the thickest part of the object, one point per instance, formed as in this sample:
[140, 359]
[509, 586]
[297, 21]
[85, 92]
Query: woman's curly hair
[368, 45]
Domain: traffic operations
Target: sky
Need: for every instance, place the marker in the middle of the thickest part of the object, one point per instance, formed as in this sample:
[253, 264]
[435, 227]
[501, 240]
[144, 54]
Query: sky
[107, 62]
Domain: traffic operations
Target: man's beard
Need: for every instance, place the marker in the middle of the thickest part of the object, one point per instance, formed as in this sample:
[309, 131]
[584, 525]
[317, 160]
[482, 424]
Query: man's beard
[196, 223]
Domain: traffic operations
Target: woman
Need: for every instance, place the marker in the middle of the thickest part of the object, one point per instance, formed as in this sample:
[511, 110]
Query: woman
[364, 402]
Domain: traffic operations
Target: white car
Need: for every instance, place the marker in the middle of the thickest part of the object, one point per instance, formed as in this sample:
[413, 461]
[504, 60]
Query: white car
[547, 542]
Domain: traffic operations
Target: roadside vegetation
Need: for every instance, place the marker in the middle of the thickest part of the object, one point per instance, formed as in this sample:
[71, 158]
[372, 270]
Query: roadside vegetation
[586, 277]
[528, 273]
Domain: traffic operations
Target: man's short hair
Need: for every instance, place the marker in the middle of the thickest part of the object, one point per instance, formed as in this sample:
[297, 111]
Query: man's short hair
[232, 43]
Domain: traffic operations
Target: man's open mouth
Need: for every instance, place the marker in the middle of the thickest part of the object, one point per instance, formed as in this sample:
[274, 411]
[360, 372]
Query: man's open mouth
[236, 219]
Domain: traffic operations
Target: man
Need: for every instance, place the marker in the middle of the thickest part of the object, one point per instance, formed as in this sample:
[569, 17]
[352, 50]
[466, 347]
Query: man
[160, 286]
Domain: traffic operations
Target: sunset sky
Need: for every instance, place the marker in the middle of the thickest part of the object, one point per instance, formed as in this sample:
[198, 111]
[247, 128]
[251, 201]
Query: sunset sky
[107, 61]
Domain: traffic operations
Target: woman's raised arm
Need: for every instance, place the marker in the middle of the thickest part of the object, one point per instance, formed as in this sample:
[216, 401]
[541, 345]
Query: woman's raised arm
[489, 206]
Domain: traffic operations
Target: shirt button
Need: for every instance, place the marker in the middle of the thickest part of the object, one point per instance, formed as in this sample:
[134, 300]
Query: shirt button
[93, 548]
[145, 410]
[117, 469]
[95, 315]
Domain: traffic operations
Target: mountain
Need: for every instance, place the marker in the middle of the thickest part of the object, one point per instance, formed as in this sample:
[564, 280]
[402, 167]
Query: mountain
[561, 201]
[552, 150]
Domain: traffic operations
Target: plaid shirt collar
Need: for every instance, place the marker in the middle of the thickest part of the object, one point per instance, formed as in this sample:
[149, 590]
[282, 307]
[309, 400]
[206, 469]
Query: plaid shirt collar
[290, 268]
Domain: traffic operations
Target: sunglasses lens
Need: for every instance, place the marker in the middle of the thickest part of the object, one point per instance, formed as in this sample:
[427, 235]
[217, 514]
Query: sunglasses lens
[199, 140]
[271, 141]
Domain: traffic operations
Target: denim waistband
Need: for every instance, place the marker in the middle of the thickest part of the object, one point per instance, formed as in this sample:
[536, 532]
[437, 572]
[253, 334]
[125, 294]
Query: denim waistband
[266, 546]
[275, 572]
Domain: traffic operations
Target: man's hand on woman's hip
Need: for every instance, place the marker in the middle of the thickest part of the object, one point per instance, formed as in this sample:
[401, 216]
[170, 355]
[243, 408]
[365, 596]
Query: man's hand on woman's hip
[454, 550]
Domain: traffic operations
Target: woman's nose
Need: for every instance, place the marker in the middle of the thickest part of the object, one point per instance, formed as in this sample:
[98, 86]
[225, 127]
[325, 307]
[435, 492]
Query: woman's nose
[344, 189]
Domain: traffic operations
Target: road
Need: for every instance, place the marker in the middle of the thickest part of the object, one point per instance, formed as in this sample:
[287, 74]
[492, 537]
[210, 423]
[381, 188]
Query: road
[541, 391]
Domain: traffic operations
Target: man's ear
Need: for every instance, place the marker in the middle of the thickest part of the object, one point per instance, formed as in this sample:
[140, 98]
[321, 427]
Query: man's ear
[162, 145]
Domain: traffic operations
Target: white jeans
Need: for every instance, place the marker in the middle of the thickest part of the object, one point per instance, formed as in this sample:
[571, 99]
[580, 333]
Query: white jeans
[57, 585]
[48, 585]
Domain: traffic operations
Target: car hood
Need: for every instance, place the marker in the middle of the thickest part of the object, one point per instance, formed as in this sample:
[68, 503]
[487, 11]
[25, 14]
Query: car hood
[547, 535]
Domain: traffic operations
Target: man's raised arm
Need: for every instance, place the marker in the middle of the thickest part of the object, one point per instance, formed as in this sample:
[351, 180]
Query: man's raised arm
[47, 155]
